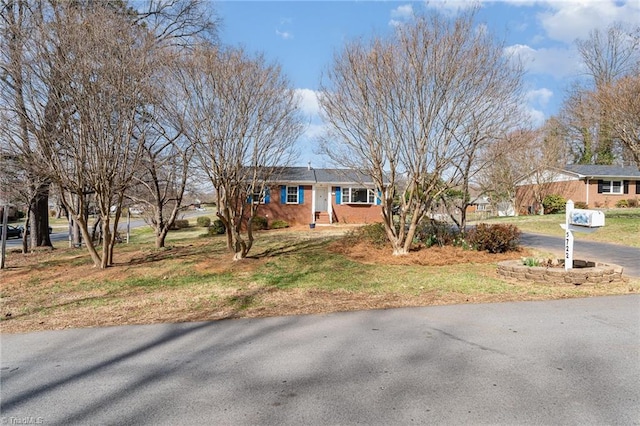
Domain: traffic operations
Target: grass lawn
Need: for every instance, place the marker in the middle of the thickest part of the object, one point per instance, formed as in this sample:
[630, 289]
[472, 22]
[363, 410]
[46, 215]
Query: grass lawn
[298, 271]
[622, 226]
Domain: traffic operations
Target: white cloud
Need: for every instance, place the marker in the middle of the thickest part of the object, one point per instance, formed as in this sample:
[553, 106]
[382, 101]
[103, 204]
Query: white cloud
[309, 102]
[536, 117]
[285, 35]
[451, 7]
[568, 20]
[539, 96]
[401, 14]
[556, 61]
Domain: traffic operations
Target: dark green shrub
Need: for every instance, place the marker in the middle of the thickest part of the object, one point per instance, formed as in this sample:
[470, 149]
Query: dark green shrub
[554, 203]
[622, 204]
[217, 228]
[498, 238]
[581, 205]
[203, 221]
[259, 223]
[180, 224]
[374, 233]
[431, 233]
[279, 224]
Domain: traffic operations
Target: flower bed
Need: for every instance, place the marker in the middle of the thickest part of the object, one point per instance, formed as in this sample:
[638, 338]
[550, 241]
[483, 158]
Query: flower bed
[583, 272]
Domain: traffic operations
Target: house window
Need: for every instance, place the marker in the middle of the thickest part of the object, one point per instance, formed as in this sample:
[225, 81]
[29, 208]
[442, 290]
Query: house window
[611, 187]
[292, 195]
[257, 197]
[358, 196]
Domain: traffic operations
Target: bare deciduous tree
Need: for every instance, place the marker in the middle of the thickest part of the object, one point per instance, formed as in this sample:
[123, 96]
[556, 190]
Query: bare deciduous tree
[99, 68]
[607, 56]
[411, 107]
[163, 173]
[243, 118]
[622, 100]
[19, 19]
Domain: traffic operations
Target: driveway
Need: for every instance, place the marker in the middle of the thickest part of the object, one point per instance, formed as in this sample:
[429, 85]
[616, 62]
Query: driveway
[627, 257]
[559, 362]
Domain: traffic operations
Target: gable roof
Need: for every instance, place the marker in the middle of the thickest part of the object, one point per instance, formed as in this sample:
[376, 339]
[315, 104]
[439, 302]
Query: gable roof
[332, 176]
[598, 171]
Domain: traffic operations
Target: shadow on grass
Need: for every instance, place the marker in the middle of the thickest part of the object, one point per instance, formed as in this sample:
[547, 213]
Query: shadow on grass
[293, 247]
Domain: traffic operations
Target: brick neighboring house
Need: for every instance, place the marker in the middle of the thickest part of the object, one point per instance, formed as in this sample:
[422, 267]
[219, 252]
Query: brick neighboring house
[597, 186]
[305, 195]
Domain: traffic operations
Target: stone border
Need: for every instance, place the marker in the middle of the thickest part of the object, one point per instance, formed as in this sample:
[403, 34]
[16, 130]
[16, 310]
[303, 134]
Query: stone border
[584, 273]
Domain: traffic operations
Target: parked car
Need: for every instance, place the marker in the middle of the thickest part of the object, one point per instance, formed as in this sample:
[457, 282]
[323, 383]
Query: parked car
[13, 231]
[21, 228]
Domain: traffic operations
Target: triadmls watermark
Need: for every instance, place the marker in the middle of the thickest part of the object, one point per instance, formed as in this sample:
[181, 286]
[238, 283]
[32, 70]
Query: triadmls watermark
[23, 420]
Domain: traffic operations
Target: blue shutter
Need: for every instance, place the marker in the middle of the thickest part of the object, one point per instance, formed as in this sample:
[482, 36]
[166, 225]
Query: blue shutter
[267, 195]
[249, 199]
[379, 198]
[338, 195]
[301, 194]
[283, 194]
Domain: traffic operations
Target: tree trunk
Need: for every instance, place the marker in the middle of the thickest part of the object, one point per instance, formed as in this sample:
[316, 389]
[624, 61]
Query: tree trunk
[161, 237]
[39, 226]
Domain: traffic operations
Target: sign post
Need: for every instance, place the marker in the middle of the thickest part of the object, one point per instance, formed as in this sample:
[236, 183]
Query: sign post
[578, 220]
[568, 238]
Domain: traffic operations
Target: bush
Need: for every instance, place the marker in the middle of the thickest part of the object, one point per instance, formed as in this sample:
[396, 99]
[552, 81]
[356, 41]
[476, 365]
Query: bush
[259, 223]
[554, 203]
[633, 202]
[374, 233]
[497, 238]
[581, 205]
[622, 204]
[432, 233]
[279, 224]
[180, 224]
[203, 221]
[217, 228]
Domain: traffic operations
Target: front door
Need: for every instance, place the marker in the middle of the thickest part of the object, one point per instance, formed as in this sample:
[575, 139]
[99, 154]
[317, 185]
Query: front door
[322, 199]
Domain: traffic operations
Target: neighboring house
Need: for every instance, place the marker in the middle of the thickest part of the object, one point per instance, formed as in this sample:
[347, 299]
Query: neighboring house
[304, 195]
[597, 186]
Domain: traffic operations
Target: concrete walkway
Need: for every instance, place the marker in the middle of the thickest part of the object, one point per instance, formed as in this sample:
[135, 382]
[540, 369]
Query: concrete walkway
[569, 362]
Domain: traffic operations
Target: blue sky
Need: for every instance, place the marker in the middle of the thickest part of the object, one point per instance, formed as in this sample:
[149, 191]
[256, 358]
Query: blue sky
[303, 35]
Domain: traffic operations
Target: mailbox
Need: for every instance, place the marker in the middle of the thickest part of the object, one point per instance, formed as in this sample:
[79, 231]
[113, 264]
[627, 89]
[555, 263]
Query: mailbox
[588, 218]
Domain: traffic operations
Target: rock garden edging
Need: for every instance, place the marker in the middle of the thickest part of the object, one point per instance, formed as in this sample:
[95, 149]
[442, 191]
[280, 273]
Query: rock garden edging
[584, 272]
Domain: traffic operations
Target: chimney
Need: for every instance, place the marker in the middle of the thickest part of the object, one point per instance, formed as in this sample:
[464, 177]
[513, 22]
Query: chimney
[309, 165]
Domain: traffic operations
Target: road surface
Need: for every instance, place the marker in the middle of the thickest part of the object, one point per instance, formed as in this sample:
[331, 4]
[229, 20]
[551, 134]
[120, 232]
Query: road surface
[569, 362]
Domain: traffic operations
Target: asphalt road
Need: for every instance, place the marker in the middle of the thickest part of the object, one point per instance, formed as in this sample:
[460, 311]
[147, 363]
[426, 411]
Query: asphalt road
[570, 362]
[627, 257]
[62, 238]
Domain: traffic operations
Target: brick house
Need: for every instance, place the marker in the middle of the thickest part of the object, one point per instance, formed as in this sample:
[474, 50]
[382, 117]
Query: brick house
[305, 195]
[595, 185]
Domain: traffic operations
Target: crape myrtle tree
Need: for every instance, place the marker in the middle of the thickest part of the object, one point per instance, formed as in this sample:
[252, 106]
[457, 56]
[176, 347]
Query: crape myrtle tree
[162, 176]
[412, 107]
[243, 118]
[97, 80]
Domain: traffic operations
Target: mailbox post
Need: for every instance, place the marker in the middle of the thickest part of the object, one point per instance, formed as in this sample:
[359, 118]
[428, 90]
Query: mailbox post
[568, 237]
[578, 220]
